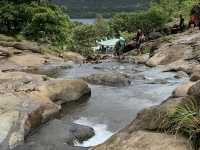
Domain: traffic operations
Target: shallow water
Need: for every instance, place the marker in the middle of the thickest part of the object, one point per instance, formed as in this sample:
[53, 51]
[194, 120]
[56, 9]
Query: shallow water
[109, 108]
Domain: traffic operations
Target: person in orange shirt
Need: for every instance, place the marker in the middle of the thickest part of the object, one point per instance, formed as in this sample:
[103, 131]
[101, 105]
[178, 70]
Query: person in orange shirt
[195, 16]
[193, 21]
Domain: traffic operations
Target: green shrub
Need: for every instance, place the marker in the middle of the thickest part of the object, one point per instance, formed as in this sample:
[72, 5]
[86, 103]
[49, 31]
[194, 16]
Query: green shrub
[49, 25]
[147, 21]
[186, 121]
[36, 20]
[102, 28]
[83, 39]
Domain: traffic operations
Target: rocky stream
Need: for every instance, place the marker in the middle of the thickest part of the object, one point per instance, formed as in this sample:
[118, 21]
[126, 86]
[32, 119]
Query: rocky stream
[110, 107]
[54, 102]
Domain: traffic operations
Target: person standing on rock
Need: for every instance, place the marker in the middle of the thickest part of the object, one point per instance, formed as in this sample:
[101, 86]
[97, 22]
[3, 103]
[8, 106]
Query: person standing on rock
[119, 46]
[139, 39]
[181, 23]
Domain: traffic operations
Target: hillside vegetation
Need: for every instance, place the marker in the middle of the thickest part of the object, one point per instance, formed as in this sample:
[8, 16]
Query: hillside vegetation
[89, 8]
[46, 23]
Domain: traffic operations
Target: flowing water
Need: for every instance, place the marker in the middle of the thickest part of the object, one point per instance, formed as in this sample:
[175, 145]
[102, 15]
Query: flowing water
[84, 20]
[108, 110]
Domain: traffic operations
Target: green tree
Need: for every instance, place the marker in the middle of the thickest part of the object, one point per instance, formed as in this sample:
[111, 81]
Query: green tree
[155, 17]
[83, 39]
[37, 19]
[102, 28]
[49, 25]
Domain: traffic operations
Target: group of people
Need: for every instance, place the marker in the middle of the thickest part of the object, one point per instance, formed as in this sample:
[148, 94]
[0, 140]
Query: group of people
[121, 47]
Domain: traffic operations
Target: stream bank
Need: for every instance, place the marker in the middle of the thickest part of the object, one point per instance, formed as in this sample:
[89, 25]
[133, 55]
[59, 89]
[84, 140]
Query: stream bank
[29, 100]
[109, 109]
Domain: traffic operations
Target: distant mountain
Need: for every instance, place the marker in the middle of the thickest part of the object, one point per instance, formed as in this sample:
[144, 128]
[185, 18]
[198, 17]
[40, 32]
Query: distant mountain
[89, 8]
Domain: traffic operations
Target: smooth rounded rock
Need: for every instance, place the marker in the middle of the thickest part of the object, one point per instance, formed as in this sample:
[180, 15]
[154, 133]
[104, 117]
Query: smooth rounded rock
[110, 79]
[79, 133]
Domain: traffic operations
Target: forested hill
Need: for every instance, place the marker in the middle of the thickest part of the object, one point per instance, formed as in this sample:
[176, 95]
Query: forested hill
[89, 8]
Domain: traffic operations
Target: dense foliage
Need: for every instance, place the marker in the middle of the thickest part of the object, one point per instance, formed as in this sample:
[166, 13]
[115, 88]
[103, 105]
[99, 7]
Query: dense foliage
[153, 18]
[89, 8]
[186, 121]
[36, 20]
[44, 22]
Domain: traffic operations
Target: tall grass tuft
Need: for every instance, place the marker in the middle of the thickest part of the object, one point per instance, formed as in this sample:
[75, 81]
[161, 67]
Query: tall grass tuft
[186, 121]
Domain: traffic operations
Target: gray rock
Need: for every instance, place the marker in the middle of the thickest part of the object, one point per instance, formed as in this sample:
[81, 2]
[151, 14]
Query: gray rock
[181, 74]
[52, 136]
[154, 35]
[110, 79]
[51, 70]
[79, 133]
[195, 77]
[194, 89]
[157, 81]
[182, 89]
[33, 47]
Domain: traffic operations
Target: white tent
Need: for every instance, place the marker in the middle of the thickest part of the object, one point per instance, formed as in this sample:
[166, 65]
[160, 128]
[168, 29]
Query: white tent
[108, 44]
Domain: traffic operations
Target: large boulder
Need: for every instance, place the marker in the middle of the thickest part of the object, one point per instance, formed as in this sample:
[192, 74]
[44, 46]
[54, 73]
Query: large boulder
[109, 79]
[33, 47]
[141, 59]
[154, 35]
[28, 59]
[63, 91]
[144, 140]
[52, 136]
[51, 69]
[72, 56]
[180, 65]
[28, 100]
[170, 53]
[194, 89]
[79, 133]
[195, 76]
[182, 90]
[37, 64]
[20, 113]
[195, 73]
[12, 82]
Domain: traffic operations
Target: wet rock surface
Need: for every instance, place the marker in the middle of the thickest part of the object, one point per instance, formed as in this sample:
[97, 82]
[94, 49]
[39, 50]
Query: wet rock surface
[157, 81]
[182, 90]
[144, 140]
[181, 74]
[141, 133]
[53, 142]
[110, 79]
[79, 133]
[195, 76]
[27, 98]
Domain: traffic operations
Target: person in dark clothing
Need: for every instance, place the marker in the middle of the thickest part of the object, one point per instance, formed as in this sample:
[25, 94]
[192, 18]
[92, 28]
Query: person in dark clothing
[182, 23]
[139, 39]
[194, 14]
[119, 46]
